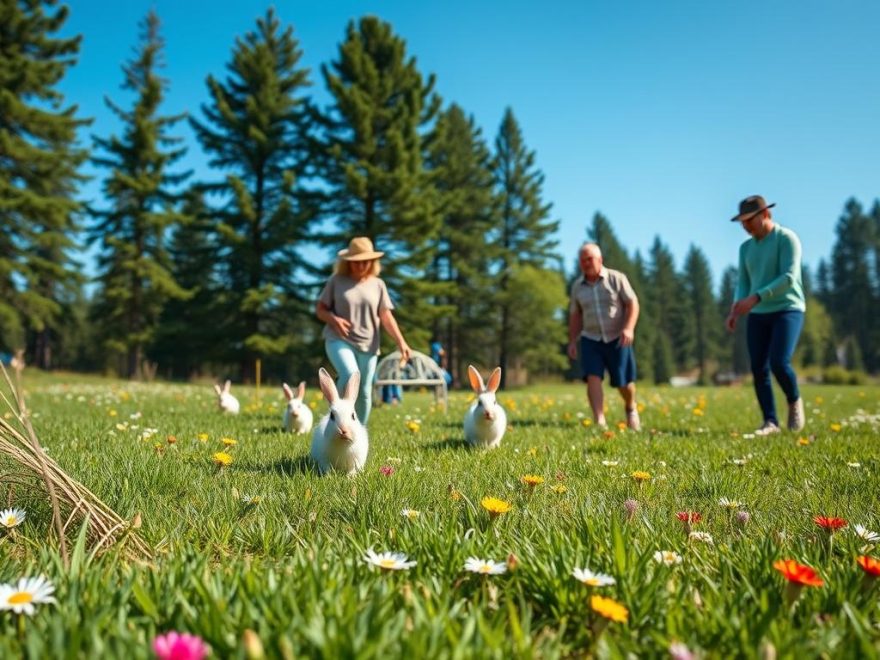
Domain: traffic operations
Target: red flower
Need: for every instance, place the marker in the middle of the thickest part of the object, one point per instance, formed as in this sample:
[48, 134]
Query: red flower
[870, 565]
[831, 524]
[798, 573]
[689, 516]
[387, 470]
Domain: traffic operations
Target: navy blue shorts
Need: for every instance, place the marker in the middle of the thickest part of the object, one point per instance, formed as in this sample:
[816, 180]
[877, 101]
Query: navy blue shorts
[597, 356]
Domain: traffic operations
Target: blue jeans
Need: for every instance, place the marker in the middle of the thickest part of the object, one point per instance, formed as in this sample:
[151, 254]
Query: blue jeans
[346, 359]
[772, 338]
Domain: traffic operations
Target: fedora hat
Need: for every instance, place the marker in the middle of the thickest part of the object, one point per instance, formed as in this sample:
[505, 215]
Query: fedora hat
[750, 207]
[359, 248]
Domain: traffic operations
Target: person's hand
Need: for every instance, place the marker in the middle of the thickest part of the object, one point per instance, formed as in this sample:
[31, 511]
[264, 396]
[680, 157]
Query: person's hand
[405, 352]
[627, 337]
[572, 350]
[744, 306]
[341, 326]
[730, 322]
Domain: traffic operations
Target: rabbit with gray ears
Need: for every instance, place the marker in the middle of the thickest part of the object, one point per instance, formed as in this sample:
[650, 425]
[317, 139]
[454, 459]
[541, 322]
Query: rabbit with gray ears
[485, 421]
[340, 441]
[225, 400]
[297, 415]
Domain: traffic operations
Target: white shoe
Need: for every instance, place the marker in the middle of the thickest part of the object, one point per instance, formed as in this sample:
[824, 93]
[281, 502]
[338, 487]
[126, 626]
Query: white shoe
[796, 416]
[601, 423]
[632, 420]
[769, 428]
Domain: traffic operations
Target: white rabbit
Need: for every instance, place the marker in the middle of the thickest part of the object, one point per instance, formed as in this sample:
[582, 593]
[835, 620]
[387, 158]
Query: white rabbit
[340, 441]
[485, 421]
[227, 402]
[297, 415]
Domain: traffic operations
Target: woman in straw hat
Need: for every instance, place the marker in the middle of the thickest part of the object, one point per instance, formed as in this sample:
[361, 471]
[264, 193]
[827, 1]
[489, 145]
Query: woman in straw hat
[353, 304]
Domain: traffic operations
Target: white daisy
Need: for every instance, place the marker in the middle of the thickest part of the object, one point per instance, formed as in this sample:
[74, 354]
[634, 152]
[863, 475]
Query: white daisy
[22, 597]
[610, 463]
[12, 517]
[738, 461]
[667, 557]
[854, 465]
[704, 537]
[865, 534]
[728, 504]
[410, 514]
[587, 577]
[388, 561]
[485, 566]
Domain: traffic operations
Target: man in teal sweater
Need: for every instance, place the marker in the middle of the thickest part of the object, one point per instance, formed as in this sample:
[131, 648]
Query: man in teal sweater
[769, 289]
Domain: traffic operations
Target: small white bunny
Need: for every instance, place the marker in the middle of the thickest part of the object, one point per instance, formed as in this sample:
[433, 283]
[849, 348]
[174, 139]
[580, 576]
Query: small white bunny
[226, 402]
[297, 415]
[340, 441]
[485, 421]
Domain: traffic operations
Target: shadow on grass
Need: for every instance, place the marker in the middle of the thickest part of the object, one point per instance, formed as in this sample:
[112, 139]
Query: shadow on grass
[283, 466]
[519, 422]
[451, 442]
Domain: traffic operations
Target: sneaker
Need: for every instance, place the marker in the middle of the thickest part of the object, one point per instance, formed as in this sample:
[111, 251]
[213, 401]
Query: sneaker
[769, 428]
[796, 417]
[633, 421]
[601, 423]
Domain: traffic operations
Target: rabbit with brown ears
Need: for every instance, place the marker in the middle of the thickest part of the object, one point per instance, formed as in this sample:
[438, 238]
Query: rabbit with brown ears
[340, 441]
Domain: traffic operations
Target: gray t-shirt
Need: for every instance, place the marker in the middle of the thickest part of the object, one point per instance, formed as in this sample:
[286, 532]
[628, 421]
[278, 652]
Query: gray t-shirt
[360, 304]
[601, 304]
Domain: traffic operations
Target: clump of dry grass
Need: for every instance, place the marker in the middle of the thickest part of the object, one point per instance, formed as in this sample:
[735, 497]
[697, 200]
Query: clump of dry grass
[72, 503]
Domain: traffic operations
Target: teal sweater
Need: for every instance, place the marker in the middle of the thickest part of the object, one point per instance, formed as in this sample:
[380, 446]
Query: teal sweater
[771, 267]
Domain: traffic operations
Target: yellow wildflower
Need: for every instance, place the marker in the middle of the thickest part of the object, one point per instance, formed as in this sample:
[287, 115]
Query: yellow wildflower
[640, 475]
[532, 480]
[229, 442]
[222, 459]
[494, 506]
[609, 608]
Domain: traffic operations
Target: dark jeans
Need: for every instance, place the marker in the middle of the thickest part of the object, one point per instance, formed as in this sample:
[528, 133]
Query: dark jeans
[772, 339]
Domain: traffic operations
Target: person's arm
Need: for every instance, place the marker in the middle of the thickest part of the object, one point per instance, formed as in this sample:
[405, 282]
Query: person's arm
[390, 324]
[339, 325]
[628, 333]
[742, 302]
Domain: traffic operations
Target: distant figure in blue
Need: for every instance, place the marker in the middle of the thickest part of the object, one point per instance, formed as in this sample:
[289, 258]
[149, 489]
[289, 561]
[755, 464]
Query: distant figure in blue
[392, 394]
[439, 356]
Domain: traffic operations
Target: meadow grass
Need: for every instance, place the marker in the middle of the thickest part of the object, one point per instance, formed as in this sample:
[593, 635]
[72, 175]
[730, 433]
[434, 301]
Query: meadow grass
[267, 544]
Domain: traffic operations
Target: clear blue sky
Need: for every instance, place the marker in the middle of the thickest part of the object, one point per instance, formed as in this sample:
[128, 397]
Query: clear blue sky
[661, 115]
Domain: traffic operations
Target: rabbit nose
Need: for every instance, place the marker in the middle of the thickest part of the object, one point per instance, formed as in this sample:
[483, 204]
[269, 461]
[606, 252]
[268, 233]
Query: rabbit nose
[489, 415]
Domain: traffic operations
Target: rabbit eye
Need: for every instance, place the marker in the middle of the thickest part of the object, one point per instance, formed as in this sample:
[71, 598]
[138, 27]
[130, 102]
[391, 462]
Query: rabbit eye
[353, 416]
[332, 416]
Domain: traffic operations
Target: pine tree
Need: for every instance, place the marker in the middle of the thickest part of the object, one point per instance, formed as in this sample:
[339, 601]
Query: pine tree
[646, 328]
[134, 267]
[525, 230]
[703, 309]
[39, 159]
[373, 145]
[458, 160]
[257, 129]
[614, 254]
[669, 309]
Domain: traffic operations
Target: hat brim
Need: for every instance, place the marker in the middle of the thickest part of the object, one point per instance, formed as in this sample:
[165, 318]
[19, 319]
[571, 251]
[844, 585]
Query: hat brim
[361, 256]
[748, 216]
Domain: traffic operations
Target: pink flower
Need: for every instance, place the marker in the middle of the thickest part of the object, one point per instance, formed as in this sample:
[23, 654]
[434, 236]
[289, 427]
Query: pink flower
[387, 470]
[180, 646]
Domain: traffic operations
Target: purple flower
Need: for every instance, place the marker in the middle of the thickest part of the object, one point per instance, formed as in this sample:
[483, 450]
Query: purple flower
[180, 646]
[742, 517]
[680, 651]
[631, 507]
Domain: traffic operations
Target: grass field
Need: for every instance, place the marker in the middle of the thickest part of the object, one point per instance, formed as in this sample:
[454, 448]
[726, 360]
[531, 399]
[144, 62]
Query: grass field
[265, 544]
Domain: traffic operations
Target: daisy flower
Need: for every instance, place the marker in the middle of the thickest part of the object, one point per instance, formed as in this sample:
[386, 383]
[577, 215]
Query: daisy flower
[610, 463]
[494, 506]
[703, 537]
[22, 597]
[410, 514]
[10, 518]
[175, 646]
[667, 557]
[388, 561]
[485, 566]
[861, 531]
[870, 565]
[609, 608]
[587, 577]
[728, 504]
[830, 524]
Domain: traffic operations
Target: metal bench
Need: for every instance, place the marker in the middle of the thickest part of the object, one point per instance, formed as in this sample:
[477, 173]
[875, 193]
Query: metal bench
[421, 370]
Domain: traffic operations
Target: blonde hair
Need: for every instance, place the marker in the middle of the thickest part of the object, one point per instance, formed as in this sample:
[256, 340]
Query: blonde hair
[342, 268]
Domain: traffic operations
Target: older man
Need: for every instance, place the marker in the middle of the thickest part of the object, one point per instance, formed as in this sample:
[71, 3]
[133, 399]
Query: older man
[770, 291]
[603, 314]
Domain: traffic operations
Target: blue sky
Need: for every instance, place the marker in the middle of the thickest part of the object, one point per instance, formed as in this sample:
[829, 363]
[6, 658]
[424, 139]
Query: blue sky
[661, 115]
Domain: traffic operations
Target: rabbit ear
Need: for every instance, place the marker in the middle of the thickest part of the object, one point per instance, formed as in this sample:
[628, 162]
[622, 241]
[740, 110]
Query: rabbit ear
[351, 387]
[494, 380]
[217, 389]
[287, 391]
[475, 378]
[328, 387]
[227, 386]
[301, 390]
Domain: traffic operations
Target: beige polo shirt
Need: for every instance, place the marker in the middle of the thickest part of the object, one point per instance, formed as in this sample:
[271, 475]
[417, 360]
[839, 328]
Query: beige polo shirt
[602, 304]
[359, 303]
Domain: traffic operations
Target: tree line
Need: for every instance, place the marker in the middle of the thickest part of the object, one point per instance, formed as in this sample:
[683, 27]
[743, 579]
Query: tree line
[206, 277]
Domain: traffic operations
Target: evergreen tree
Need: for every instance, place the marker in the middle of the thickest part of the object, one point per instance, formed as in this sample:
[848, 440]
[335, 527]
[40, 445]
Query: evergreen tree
[816, 335]
[853, 300]
[458, 160]
[257, 129]
[525, 230]
[703, 309]
[39, 158]
[540, 304]
[373, 144]
[134, 267]
[646, 328]
[670, 311]
[614, 254]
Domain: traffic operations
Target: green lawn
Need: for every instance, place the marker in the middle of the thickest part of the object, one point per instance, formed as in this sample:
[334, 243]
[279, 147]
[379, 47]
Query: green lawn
[268, 545]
